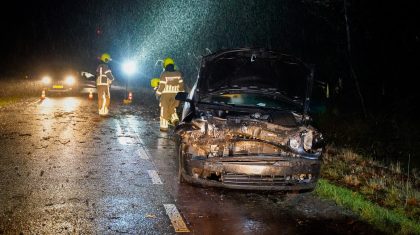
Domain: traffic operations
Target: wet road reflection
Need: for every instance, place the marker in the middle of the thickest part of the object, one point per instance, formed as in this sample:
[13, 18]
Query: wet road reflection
[66, 170]
[215, 211]
[65, 104]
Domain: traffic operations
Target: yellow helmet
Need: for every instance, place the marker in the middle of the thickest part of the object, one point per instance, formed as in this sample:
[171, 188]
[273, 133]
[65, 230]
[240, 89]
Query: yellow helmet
[105, 57]
[154, 82]
[167, 62]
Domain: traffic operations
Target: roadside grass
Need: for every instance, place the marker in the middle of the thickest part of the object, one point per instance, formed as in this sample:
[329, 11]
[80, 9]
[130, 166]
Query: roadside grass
[386, 220]
[4, 101]
[386, 196]
[13, 90]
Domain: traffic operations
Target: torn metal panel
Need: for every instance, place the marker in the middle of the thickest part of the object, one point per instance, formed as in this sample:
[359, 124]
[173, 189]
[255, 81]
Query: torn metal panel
[245, 127]
[249, 153]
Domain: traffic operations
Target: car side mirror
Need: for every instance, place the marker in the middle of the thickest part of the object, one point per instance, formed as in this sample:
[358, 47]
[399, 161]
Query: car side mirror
[182, 96]
[87, 75]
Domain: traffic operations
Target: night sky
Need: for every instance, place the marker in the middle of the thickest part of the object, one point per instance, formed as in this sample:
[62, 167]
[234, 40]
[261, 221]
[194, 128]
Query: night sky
[384, 36]
[48, 32]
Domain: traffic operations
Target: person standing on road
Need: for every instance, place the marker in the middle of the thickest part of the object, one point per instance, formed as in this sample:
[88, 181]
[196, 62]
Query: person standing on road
[103, 81]
[170, 84]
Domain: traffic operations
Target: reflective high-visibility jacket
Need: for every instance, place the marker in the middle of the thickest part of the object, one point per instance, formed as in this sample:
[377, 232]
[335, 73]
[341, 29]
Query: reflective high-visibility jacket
[170, 83]
[104, 75]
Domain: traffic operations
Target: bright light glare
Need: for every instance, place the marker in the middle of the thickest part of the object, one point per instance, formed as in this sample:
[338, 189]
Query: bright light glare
[129, 67]
[46, 80]
[70, 80]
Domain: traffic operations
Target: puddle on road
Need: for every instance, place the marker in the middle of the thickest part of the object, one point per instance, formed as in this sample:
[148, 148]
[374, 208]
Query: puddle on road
[124, 136]
[66, 104]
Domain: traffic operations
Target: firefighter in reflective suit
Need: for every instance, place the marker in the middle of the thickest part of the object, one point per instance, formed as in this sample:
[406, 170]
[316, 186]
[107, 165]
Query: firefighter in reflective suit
[170, 84]
[103, 81]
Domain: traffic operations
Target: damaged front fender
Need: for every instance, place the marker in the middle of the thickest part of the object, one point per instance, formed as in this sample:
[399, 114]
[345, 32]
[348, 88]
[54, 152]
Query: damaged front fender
[248, 154]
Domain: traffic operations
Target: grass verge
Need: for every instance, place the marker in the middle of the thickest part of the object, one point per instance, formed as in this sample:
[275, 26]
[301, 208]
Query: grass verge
[386, 220]
[13, 90]
[388, 186]
[4, 101]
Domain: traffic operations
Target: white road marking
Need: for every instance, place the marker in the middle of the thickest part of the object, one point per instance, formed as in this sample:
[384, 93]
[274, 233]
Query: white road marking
[171, 210]
[139, 139]
[143, 153]
[123, 138]
[176, 218]
[154, 176]
[118, 126]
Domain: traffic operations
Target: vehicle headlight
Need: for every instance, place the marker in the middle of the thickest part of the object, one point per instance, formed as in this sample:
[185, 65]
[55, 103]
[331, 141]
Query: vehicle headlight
[318, 141]
[46, 80]
[304, 139]
[307, 144]
[70, 80]
[307, 140]
[294, 143]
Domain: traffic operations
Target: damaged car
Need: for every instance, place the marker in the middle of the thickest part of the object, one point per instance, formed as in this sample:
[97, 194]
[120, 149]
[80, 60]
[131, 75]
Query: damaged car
[246, 124]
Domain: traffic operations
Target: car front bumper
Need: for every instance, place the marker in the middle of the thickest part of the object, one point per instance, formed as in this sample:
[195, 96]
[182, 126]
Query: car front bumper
[88, 90]
[253, 173]
[60, 90]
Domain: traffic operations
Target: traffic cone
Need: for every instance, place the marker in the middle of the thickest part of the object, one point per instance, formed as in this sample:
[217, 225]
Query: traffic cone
[129, 98]
[90, 94]
[43, 94]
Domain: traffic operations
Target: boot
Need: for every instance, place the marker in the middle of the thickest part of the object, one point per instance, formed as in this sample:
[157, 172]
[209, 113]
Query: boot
[102, 112]
[175, 122]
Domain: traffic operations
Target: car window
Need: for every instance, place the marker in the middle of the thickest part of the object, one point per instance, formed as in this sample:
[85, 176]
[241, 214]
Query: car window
[251, 100]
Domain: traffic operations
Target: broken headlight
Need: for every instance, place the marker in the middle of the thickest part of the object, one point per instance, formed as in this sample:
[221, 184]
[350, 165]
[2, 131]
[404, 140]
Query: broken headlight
[318, 141]
[295, 142]
[306, 140]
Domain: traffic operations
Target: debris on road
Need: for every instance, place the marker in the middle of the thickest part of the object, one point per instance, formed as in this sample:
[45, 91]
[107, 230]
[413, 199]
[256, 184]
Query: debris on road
[25, 134]
[64, 142]
[150, 216]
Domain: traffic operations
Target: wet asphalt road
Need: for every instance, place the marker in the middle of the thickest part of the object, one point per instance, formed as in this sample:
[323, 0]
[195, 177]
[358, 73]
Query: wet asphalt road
[65, 170]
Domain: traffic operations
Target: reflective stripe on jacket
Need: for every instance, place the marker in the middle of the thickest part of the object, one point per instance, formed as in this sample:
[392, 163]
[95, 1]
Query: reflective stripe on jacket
[170, 82]
[104, 75]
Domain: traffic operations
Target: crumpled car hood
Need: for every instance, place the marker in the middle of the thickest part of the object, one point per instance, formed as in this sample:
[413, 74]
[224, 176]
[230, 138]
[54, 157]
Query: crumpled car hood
[245, 135]
[254, 69]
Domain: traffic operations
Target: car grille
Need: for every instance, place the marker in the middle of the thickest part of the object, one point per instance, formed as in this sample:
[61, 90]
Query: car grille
[261, 180]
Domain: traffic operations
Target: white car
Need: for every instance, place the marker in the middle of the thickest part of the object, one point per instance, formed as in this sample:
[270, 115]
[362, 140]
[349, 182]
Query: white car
[246, 124]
